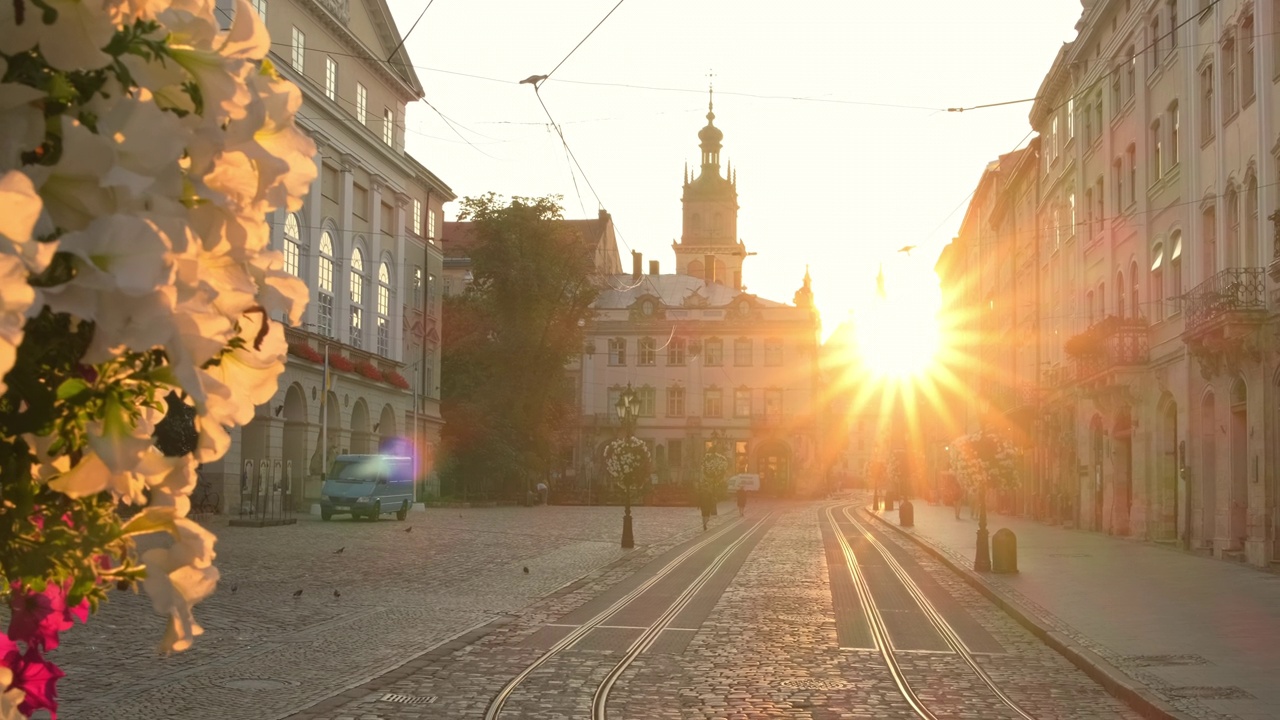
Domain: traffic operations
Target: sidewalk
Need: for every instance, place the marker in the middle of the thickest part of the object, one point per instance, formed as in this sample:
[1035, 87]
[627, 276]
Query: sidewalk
[1200, 635]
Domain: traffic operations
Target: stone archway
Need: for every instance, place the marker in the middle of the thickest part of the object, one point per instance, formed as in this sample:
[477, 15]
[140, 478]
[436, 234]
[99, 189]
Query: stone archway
[1208, 475]
[1238, 500]
[296, 432]
[1122, 478]
[773, 462]
[361, 439]
[387, 427]
[1165, 528]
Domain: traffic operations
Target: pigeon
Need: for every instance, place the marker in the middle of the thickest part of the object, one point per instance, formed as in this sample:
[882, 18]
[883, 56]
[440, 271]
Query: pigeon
[409, 529]
[533, 80]
[297, 593]
[526, 569]
[907, 249]
[339, 550]
[337, 594]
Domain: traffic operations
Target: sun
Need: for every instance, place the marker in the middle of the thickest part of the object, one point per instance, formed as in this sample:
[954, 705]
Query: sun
[897, 331]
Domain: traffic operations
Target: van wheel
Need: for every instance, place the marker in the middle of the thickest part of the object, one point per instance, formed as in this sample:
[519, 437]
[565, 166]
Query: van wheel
[403, 512]
[377, 510]
[326, 514]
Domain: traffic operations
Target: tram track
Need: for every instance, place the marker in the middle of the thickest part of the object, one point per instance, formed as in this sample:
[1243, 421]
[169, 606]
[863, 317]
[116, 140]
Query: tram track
[651, 631]
[879, 631]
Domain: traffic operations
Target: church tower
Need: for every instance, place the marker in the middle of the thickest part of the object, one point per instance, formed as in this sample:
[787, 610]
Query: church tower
[709, 247]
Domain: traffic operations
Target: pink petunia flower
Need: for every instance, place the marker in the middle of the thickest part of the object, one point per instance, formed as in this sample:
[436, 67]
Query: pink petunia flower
[38, 617]
[35, 676]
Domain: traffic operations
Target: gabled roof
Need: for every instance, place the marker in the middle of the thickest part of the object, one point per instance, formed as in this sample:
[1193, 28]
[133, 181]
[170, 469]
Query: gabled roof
[597, 234]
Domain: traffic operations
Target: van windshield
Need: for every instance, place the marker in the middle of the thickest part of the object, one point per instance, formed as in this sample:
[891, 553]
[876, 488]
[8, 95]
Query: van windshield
[353, 471]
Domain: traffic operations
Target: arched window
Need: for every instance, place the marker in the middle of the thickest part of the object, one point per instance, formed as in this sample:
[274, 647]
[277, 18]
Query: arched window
[384, 309]
[1175, 269]
[325, 281]
[1250, 257]
[1120, 288]
[357, 298]
[1135, 305]
[291, 244]
[1233, 228]
[1157, 282]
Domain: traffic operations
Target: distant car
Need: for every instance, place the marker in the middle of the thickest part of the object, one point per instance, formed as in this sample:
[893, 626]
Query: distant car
[368, 486]
[749, 481]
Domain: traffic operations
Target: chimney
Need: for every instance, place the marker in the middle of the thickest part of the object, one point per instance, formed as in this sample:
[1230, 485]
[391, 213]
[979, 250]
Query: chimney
[637, 265]
[709, 262]
[653, 267]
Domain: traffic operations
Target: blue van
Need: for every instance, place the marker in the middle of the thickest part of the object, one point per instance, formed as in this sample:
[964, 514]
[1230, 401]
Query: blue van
[368, 486]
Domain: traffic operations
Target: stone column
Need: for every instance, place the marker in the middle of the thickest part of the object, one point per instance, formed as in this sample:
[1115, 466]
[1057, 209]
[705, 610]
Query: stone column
[342, 248]
[399, 274]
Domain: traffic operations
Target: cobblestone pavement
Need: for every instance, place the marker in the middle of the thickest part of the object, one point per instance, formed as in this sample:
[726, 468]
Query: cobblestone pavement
[767, 648]
[388, 596]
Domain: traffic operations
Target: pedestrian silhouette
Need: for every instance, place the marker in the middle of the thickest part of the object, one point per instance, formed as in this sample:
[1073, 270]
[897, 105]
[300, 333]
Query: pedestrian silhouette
[742, 501]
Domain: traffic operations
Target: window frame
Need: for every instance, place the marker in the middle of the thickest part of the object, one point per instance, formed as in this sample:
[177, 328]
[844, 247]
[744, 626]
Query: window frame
[675, 401]
[647, 352]
[362, 104]
[331, 78]
[710, 359]
[617, 348]
[298, 50]
[388, 127]
[677, 352]
[738, 351]
[742, 400]
[708, 395]
[292, 249]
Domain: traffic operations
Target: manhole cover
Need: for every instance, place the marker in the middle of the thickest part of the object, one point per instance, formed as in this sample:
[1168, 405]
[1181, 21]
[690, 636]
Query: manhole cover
[408, 699]
[1165, 660]
[1210, 693]
[254, 684]
[810, 684]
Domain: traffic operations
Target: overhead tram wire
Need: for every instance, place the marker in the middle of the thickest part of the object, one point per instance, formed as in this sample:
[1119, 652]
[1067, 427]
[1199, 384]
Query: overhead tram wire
[580, 42]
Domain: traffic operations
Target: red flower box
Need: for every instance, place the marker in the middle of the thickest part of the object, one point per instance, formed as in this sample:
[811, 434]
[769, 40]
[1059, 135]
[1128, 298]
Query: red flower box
[395, 378]
[337, 361]
[366, 368]
[306, 352]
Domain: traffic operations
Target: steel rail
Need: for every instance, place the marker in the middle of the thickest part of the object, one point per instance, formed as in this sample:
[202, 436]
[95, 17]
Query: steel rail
[500, 700]
[599, 701]
[879, 634]
[939, 622]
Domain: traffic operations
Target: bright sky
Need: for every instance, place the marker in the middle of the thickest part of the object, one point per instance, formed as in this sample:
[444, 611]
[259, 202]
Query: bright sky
[839, 181]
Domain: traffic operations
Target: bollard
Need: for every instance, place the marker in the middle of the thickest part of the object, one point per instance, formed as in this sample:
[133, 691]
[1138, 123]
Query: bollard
[1004, 551]
[906, 514]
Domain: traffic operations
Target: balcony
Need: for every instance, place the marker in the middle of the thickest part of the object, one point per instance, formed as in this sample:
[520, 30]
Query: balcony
[1223, 316]
[1229, 296]
[1107, 356]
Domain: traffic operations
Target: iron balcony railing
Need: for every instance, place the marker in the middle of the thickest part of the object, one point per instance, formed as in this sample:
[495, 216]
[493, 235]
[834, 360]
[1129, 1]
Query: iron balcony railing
[1110, 343]
[1228, 291]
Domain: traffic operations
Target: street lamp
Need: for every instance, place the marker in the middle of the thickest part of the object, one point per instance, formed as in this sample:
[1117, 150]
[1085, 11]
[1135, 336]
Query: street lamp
[628, 408]
[986, 452]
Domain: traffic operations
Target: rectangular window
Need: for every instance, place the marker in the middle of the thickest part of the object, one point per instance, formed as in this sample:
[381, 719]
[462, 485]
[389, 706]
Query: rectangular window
[291, 257]
[299, 48]
[712, 403]
[742, 402]
[1071, 219]
[713, 354]
[773, 352]
[1088, 212]
[1071, 119]
[1175, 130]
[618, 352]
[1088, 124]
[1228, 78]
[648, 398]
[417, 216]
[357, 327]
[773, 403]
[1157, 151]
[384, 337]
[431, 224]
[647, 352]
[1117, 181]
[1157, 283]
[675, 403]
[1154, 56]
[330, 78]
[388, 127]
[740, 457]
[1131, 157]
[326, 315]
[1247, 90]
[1206, 104]
[260, 7]
[1130, 74]
[742, 352]
[431, 294]
[676, 351]
[362, 104]
[417, 287]
[1173, 25]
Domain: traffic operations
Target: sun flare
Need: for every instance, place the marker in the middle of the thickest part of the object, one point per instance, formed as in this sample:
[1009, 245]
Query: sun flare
[897, 332]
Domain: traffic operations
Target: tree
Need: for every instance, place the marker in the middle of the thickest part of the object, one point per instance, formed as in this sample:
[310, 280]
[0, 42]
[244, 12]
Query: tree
[505, 396]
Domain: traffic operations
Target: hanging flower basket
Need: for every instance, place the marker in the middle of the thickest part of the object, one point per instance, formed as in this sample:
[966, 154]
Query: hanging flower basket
[366, 368]
[306, 352]
[715, 467]
[985, 458]
[627, 461]
[338, 361]
[396, 379]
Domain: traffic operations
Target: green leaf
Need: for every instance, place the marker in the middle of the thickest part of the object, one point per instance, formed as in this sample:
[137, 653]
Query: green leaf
[71, 388]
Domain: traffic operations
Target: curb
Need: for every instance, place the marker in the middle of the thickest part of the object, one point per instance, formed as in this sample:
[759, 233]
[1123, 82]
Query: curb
[1124, 688]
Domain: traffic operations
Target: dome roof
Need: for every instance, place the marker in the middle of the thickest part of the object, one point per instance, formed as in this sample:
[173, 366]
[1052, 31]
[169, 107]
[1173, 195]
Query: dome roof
[710, 135]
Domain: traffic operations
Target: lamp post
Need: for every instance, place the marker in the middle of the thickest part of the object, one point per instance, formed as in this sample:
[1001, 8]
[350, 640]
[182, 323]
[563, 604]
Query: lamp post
[628, 408]
[982, 553]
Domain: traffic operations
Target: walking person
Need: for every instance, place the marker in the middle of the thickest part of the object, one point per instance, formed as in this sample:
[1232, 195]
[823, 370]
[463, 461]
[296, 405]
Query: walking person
[708, 505]
[742, 500]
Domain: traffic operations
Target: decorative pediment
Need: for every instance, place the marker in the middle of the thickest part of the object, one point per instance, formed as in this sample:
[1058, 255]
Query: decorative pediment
[695, 299]
[647, 307]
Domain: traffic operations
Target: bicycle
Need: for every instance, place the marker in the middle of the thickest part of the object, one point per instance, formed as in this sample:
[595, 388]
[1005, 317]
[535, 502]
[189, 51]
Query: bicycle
[205, 500]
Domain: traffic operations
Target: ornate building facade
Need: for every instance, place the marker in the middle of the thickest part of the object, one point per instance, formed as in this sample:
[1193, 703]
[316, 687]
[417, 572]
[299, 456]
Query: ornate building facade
[1153, 400]
[365, 242]
[707, 361]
